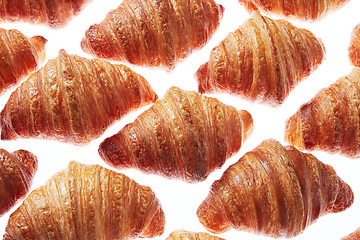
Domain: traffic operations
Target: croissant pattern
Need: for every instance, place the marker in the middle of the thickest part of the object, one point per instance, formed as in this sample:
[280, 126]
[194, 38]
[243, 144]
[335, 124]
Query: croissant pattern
[353, 236]
[17, 170]
[263, 60]
[329, 121]
[54, 13]
[73, 99]
[275, 191]
[87, 202]
[183, 136]
[20, 56]
[354, 48]
[305, 10]
[186, 235]
[154, 33]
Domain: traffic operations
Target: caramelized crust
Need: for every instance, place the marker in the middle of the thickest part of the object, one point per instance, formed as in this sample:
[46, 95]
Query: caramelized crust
[153, 33]
[330, 121]
[54, 13]
[305, 10]
[183, 136]
[275, 191]
[73, 99]
[263, 60]
[20, 56]
[17, 170]
[354, 48]
[353, 236]
[87, 202]
[186, 235]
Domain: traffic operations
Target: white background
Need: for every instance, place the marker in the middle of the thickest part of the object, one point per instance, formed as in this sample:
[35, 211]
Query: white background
[179, 199]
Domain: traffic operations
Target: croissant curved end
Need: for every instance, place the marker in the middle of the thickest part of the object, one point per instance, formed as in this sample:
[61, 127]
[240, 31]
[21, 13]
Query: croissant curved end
[248, 123]
[99, 46]
[158, 220]
[293, 131]
[345, 198]
[202, 76]
[28, 159]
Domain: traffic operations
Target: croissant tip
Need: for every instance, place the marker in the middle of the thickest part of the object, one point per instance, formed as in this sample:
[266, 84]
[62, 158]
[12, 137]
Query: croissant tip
[202, 77]
[345, 197]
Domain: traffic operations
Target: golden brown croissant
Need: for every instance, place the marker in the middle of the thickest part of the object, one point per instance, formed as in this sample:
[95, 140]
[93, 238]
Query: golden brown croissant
[304, 10]
[20, 56]
[17, 170]
[183, 136]
[263, 60]
[73, 99]
[154, 33]
[55, 13]
[275, 191]
[330, 121]
[353, 236]
[354, 48]
[87, 202]
[186, 235]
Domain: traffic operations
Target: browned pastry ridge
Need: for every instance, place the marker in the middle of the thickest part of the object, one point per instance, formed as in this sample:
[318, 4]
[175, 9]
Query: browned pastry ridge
[54, 13]
[17, 171]
[183, 136]
[275, 191]
[20, 56]
[263, 60]
[354, 48]
[329, 121]
[87, 202]
[353, 236]
[73, 99]
[305, 10]
[186, 235]
[153, 33]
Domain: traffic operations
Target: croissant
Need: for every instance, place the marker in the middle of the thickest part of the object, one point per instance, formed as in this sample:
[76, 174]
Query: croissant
[87, 202]
[353, 236]
[54, 13]
[17, 170]
[330, 121]
[275, 191]
[304, 10]
[354, 48]
[183, 136]
[153, 33]
[186, 235]
[263, 60]
[20, 56]
[73, 99]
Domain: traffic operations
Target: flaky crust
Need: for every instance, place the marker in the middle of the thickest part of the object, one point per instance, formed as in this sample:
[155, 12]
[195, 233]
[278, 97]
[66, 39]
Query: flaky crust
[329, 121]
[305, 10]
[153, 33]
[184, 136]
[73, 99]
[87, 202]
[263, 60]
[275, 191]
[54, 13]
[354, 48]
[186, 235]
[17, 171]
[20, 56]
[353, 236]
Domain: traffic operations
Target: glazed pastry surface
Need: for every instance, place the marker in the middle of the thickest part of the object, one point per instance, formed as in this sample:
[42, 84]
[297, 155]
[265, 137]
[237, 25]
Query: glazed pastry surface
[329, 121]
[73, 99]
[153, 33]
[274, 191]
[262, 61]
[87, 202]
[184, 136]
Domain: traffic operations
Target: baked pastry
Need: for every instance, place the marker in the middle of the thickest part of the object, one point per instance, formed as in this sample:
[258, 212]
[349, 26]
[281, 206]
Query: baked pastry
[183, 136]
[54, 13]
[73, 99]
[354, 48]
[329, 121]
[275, 191]
[17, 171]
[20, 56]
[353, 236]
[263, 60]
[153, 33]
[87, 202]
[186, 235]
[305, 10]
